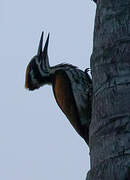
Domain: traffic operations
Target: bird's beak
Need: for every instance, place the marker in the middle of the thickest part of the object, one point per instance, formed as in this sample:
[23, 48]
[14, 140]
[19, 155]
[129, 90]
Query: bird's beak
[43, 55]
[45, 50]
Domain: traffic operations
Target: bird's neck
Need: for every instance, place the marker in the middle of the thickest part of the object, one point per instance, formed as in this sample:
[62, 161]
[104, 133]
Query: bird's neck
[53, 69]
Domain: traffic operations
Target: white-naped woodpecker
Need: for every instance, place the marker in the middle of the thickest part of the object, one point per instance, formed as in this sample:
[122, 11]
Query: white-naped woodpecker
[72, 88]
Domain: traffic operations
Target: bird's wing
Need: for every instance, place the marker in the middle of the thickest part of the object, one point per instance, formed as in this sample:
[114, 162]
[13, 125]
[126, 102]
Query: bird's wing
[65, 99]
[81, 84]
[72, 92]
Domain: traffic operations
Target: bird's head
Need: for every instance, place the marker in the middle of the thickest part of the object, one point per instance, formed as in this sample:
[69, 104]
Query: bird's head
[38, 70]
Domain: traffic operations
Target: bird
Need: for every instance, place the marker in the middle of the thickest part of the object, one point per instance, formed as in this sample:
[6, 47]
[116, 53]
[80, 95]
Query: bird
[71, 86]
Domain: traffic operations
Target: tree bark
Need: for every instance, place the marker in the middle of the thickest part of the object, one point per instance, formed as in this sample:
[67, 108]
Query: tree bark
[109, 132]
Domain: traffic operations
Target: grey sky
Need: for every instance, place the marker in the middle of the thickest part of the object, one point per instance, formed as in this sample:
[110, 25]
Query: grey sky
[37, 141]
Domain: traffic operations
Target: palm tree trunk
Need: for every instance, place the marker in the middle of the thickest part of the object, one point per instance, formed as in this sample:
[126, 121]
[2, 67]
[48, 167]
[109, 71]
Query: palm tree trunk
[109, 133]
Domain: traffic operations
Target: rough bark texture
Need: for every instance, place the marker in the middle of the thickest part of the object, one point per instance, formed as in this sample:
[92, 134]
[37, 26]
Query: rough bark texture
[109, 132]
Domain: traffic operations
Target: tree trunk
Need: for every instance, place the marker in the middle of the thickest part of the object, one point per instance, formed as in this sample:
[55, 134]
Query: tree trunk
[109, 133]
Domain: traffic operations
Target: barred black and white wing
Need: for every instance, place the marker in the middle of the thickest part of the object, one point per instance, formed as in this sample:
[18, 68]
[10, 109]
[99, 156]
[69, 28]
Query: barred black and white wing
[73, 92]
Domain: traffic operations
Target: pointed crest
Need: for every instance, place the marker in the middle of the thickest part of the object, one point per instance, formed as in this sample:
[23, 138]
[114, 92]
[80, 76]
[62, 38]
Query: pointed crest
[45, 58]
[43, 55]
[39, 53]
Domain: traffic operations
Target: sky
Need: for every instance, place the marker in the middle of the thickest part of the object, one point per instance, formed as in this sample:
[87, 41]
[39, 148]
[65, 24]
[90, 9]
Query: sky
[37, 141]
